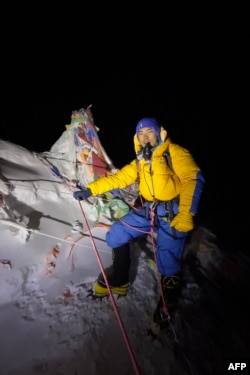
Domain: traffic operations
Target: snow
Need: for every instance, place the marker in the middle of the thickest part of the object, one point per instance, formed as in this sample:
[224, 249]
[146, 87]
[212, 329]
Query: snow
[50, 244]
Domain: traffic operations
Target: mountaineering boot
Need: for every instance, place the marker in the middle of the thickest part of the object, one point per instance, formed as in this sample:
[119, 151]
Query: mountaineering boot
[118, 278]
[171, 287]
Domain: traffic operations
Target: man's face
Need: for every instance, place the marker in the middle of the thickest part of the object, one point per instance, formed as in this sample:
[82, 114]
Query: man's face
[146, 135]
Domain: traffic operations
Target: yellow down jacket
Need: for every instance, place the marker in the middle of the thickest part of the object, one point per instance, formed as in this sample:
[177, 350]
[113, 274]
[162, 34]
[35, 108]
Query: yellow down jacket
[156, 179]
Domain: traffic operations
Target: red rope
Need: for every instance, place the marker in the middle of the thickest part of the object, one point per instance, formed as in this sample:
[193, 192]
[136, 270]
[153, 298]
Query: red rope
[72, 247]
[164, 303]
[125, 336]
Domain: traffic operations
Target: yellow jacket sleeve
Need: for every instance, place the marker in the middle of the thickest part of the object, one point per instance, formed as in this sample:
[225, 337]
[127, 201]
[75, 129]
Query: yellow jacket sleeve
[192, 181]
[120, 180]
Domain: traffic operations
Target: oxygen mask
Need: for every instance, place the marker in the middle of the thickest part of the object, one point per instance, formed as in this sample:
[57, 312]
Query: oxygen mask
[147, 151]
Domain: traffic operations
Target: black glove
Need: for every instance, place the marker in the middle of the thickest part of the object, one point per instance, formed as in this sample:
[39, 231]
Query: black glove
[82, 194]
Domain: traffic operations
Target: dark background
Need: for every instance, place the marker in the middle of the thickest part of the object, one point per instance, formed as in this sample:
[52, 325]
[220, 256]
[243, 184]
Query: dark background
[184, 63]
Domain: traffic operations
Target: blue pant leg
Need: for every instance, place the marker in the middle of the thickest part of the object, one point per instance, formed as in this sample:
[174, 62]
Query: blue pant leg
[132, 225]
[169, 248]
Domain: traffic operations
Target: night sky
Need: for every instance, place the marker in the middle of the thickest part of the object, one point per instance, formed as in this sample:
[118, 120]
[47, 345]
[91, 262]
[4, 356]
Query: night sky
[181, 62]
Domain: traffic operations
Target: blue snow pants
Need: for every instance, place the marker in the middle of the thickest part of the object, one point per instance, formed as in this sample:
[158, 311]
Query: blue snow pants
[170, 246]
